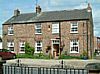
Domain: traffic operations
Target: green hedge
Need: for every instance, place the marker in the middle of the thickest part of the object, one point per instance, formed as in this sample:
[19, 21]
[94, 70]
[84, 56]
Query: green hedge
[69, 57]
[35, 56]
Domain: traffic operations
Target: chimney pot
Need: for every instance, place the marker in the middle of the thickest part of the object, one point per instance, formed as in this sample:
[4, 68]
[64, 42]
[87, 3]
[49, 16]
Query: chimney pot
[16, 12]
[38, 9]
[89, 9]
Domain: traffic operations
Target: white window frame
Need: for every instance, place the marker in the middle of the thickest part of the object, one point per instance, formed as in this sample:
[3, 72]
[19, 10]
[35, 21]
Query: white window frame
[10, 30]
[73, 26]
[73, 45]
[36, 46]
[55, 27]
[38, 28]
[21, 45]
[10, 45]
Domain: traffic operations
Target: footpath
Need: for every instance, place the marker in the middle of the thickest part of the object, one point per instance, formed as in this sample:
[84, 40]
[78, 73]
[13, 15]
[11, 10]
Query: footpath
[73, 63]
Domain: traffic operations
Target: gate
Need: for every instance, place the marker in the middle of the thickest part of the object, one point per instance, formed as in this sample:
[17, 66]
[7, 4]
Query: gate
[40, 70]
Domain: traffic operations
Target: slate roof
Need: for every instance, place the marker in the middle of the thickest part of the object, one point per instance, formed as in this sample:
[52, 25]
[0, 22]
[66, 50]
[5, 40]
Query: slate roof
[50, 16]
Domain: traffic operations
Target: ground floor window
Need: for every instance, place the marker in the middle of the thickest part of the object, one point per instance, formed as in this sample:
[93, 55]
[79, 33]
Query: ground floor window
[10, 45]
[22, 47]
[74, 46]
[38, 46]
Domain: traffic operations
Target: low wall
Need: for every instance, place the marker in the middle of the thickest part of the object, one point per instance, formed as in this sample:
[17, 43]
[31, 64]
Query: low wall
[48, 63]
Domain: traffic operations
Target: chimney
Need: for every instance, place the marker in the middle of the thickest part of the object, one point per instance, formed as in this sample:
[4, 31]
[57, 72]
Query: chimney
[38, 9]
[89, 9]
[16, 12]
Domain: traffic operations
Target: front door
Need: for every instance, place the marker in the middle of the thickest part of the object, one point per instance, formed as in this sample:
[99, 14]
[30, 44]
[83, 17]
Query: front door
[56, 49]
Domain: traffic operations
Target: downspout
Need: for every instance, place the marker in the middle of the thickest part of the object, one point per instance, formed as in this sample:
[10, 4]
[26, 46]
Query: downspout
[60, 39]
[87, 38]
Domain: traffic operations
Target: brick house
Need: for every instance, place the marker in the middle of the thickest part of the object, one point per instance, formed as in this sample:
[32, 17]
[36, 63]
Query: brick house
[97, 45]
[66, 31]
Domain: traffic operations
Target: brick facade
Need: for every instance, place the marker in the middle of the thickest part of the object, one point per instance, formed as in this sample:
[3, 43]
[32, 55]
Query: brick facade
[26, 32]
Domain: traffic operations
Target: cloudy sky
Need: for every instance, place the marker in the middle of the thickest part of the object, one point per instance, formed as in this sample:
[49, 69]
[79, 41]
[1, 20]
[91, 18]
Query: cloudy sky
[27, 6]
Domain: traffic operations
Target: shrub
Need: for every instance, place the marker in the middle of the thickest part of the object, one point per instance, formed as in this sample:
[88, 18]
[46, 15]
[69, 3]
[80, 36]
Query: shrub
[63, 56]
[28, 49]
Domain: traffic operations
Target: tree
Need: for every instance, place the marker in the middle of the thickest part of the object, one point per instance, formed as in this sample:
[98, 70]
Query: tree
[28, 49]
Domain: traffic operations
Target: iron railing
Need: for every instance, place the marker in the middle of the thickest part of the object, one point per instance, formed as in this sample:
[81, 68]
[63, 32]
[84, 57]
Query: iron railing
[40, 70]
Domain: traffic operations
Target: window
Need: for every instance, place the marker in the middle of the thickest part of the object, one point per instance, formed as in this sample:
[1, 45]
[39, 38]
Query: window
[55, 27]
[38, 46]
[38, 28]
[10, 30]
[74, 46]
[10, 46]
[22, 47]
[74, 27]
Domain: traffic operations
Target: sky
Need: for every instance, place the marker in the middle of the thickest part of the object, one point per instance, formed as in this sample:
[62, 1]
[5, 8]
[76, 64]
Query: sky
[28, 6]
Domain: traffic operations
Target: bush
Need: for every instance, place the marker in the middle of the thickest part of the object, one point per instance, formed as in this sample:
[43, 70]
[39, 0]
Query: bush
[24, 56]
[63, 56]
[35, 56]
[28, 49]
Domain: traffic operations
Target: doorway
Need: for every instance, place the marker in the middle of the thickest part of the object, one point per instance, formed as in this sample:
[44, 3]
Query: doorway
[56, 49]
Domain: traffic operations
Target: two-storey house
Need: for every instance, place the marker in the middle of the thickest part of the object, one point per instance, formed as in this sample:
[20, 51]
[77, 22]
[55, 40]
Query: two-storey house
[65, 31]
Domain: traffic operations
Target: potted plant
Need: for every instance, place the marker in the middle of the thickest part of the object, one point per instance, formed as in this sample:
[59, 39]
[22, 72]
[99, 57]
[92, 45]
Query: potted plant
[85, 55]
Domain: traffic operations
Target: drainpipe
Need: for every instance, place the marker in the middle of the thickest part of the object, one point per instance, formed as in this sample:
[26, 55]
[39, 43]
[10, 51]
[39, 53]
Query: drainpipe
[60, 39]
[87, 37]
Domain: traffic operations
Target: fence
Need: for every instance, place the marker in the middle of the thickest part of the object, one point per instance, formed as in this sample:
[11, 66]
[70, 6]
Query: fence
[40, 70]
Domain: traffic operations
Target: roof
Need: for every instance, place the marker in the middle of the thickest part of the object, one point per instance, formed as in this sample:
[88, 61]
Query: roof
[50, 16]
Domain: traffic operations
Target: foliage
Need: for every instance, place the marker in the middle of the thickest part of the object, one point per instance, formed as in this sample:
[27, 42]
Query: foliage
[5, 50]
[28, 49]
[24, 56]
[84, 53]
[63, 56]
[35, 56]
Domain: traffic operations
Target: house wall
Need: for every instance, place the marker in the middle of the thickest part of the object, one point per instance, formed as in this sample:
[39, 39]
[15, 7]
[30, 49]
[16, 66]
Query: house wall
[26, 32]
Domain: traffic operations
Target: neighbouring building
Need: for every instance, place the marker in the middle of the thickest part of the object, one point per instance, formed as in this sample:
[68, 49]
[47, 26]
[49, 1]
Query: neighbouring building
[66, 31]
[97, 45]
[0, 43]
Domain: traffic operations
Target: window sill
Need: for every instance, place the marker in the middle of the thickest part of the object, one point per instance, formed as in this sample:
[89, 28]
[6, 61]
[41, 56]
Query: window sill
[22, 52]
[10, 34]
[55, 33]
[74, 52]
[38, 33]
[38, 52]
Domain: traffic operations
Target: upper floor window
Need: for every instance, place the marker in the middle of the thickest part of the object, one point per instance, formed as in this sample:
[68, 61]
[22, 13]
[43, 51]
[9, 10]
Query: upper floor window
[74, 27]
[10, 46]
[10, 30]
[55, 27]
[38, 27]
[74, 46]
[38, 46]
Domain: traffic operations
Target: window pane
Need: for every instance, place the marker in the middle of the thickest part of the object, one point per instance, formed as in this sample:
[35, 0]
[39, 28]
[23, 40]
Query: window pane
[38, 28]
[22, 49]
[55, 28]
[38, 46]
[74, 47]
[10, 30]
[74, 27]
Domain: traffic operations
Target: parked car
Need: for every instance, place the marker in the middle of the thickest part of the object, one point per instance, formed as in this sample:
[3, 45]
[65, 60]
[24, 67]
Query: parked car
[5, 54]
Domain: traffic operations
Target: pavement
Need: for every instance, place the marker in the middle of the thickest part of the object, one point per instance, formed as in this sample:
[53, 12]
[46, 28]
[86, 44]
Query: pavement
[72, 63]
